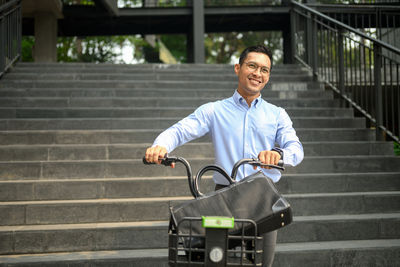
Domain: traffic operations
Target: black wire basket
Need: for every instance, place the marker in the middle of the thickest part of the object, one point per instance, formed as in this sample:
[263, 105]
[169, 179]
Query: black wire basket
[219, 246]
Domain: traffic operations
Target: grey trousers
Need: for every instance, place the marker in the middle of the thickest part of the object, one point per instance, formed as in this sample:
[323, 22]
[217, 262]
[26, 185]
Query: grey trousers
[269, 241]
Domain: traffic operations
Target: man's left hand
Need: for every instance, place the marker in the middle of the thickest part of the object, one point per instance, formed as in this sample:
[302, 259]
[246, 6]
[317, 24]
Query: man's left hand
[268, 157]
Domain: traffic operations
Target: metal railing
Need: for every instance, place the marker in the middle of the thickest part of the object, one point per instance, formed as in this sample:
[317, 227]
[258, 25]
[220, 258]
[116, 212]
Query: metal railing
[353, 64]
[345, 2]
[381, 22]
[10, 34]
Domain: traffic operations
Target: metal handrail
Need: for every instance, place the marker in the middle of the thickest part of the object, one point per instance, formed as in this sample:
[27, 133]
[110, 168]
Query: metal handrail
[368, 18]
[346, 27]
[351, 5]
[362, 70]
[10, 34]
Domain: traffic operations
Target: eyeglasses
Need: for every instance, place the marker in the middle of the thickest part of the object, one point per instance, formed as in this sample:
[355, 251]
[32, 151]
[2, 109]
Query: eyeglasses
[253, 67]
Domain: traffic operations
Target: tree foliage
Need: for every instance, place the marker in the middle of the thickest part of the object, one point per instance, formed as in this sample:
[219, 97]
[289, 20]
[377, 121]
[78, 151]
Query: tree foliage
[177, 44]
[27, 48]
[89, 49]
[225, 47]
[219, 47]
[396, 149]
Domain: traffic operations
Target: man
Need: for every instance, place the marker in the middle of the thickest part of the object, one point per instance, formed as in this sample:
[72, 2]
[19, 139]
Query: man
[242, 126]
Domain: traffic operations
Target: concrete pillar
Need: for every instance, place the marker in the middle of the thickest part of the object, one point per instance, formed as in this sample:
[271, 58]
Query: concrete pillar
[198, 32]
[45, 37]
[45, 14]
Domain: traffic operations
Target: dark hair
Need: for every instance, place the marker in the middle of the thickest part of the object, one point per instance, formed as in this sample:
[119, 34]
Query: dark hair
[258, 49]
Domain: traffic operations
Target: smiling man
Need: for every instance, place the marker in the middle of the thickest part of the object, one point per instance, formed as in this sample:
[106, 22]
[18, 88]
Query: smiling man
[242, 126]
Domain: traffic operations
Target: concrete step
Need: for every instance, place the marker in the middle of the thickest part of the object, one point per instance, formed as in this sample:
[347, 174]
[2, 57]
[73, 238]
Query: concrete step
[117, 258]
[148, 112]
[232, 84]
[82, 237]
[130, 102]
[356, 253]
[339, 182]
[136, 151]
[129, 168]
[156, 76]
[153, 234]
[98, 188]
[31, 137]
[155, 209]
[153, 92]
[152, 123]
[145, 68]
[341, 227]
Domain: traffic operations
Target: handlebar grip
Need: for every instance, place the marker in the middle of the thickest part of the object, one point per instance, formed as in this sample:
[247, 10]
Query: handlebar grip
[146, 162]
[254, 162]
[166, 161]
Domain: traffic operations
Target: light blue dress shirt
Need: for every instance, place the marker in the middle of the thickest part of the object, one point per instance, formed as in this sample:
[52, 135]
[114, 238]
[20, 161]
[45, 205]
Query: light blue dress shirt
[238, 131]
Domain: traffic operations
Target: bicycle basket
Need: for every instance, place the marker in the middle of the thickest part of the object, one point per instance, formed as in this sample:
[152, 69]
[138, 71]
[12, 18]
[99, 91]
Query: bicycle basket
[216, 247]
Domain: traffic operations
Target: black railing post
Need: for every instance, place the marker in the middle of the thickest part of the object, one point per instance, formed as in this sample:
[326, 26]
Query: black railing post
[341, 65]
[309, 39]
[19, 32]
[292, 35]
[314, 47]
[378, 91]
[2, 45]
[287, 37]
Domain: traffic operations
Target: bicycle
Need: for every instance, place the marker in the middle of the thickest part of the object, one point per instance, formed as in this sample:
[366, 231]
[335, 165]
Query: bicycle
[211, 239]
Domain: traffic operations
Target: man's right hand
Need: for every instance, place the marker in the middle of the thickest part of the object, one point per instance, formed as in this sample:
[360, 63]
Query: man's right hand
[155, 154]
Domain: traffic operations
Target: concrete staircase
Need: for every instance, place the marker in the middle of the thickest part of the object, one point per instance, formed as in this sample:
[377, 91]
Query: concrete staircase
[73, 190]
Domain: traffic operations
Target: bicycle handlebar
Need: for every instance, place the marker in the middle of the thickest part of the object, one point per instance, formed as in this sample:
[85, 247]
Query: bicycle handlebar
[194, 182]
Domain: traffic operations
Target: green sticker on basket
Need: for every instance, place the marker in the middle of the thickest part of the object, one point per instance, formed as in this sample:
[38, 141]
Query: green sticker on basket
[218, 222]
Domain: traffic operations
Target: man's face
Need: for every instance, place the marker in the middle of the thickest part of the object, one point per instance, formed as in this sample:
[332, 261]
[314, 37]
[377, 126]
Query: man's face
[253, 74]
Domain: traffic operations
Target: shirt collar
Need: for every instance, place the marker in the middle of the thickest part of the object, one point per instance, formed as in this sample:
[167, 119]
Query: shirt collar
[239, 100]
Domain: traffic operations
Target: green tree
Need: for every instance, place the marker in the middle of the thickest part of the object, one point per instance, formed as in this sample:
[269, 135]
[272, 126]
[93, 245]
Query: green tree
[89, 49]
[27, 48]
[177, 45]
[224, 47]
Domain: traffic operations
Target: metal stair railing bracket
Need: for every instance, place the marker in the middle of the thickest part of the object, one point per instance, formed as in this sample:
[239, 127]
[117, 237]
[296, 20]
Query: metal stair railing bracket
[362, 70]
